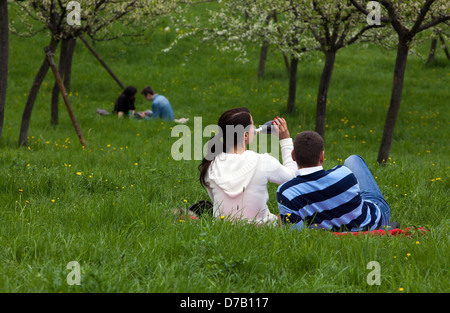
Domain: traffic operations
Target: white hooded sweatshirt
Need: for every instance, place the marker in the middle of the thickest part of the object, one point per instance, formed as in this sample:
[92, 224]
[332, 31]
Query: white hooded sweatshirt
[237, 183]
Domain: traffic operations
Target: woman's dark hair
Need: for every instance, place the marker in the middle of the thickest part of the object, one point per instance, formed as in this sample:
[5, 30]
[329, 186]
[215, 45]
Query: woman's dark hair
[220, 143]
[129, 92]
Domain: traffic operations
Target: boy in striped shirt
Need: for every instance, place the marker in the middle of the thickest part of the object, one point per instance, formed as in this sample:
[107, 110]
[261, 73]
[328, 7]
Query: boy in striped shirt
[344, 198]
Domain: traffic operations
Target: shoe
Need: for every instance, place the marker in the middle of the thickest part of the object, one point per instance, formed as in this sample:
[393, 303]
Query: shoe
[202, 207]
[392, 225]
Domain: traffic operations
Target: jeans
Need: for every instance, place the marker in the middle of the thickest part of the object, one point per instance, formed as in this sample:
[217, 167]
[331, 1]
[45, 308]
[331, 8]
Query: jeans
[368, 186]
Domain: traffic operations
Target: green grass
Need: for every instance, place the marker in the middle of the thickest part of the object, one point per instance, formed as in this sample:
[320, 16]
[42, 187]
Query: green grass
[106, 206]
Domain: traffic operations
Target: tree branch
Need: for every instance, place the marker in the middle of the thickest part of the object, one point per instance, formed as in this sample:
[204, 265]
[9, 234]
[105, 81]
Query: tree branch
[423, 12]
[433, 22]
[363, 10]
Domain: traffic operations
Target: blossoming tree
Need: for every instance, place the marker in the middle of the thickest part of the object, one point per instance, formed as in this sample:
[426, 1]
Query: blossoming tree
[239, 23]
[334, 25]
[64, 20]
[299, 27]
[408, 18]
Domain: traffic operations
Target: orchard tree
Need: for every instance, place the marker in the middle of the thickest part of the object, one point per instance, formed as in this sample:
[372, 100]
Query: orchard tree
[4, 53]
[61, 23]
[66, 20]
[334, 25]
[239, 23]
[294, 28]
[408, 19]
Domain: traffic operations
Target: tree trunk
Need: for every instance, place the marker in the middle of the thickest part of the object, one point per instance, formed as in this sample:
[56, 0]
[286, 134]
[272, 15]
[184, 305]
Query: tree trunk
[61, 87]
[432, 50]
[68, 66]
[286, 62]
[4, 58]
[445, 46]
[108, 69]
[55, 92]
[292, 85]
[396, 98]
[262, 59]
[325, 79]
[64, 69]
[23, 136]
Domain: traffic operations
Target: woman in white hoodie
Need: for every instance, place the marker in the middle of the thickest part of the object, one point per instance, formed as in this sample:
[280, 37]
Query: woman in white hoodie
[235, 177]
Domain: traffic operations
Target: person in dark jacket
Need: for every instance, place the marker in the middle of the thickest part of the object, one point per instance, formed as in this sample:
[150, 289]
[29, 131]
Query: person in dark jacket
[125, 102]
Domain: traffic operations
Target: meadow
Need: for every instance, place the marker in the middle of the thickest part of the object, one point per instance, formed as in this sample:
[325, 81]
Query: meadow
[108, 206]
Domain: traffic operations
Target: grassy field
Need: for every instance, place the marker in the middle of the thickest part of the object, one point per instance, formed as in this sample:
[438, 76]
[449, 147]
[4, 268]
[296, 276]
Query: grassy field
[106, 206]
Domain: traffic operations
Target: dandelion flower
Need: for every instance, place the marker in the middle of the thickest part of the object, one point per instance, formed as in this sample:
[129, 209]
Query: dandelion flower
[408, 254]
[79, 173]
[53, 200]
[401, 289]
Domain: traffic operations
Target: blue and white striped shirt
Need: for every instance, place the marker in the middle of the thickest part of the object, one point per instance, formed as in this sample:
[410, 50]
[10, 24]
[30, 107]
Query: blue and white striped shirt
[327, 200]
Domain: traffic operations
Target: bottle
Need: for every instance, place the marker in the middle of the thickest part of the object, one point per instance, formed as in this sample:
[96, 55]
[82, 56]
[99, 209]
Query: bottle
[265, 128]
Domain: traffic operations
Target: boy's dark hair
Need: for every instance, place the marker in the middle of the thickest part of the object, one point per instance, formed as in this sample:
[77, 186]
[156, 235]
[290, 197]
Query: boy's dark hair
[147, 90]
[307, 148]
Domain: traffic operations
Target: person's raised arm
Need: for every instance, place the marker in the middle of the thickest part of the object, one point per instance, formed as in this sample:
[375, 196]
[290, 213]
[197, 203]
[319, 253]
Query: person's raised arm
[286, 143]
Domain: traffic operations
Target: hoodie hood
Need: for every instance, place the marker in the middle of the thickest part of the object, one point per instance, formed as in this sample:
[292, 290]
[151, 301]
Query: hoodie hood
[233, 172]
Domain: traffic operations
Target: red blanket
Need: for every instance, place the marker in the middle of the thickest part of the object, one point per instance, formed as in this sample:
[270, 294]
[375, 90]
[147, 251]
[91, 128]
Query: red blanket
[409, 231]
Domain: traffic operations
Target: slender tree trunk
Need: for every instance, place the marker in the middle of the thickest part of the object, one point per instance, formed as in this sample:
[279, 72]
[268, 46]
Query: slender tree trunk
[262, 59]
[55, 91]
[68, 66]
[23, 136]
[292, 84]
[325, 79]
[396, 98]
[286, 62]
[60, 84]
[108, 69]
[4, 58]
[445, 46]
[432, 50]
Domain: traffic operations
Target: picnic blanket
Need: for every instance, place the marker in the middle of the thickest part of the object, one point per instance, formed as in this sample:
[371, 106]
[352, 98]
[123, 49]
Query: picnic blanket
[408, 232]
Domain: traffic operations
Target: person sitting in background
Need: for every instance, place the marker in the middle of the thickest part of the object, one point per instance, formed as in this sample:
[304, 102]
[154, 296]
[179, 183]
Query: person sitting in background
[125, 102]
[344, 198]
[161, 107]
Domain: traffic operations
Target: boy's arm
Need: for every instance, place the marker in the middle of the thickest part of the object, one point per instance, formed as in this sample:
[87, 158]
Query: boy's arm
[287, 215]
[155, 110]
